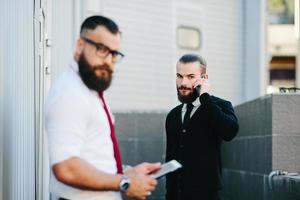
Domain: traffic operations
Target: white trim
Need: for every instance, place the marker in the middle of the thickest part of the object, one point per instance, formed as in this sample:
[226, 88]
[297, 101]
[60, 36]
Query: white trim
[1, 122]
[263, 50]
[297, 30]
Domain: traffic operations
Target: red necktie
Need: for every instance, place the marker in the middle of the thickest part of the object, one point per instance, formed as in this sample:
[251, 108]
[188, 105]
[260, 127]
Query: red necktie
[113, 137]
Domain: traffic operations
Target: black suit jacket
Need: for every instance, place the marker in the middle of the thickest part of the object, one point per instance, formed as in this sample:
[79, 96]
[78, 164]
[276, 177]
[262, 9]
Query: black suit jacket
[198, 149]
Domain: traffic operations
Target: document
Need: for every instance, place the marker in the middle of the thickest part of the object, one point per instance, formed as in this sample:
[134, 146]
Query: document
[167, 168]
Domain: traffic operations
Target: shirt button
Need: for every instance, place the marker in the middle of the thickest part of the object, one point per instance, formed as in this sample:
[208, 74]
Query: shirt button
[181, 146]
[183, 130]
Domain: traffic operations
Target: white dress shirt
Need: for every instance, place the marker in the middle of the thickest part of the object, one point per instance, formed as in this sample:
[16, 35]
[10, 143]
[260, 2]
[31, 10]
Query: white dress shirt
[196, 105]
[77, 126]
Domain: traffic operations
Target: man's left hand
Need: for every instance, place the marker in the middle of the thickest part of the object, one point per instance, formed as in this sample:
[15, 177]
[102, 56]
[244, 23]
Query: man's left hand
[205, 85]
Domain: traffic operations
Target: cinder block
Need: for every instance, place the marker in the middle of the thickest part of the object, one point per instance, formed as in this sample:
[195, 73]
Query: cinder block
[286, 150]
[126, 125]
[252, 154]
[151, 126]
[255, 117]
[284, 188]
[242, 185]
[286, 114]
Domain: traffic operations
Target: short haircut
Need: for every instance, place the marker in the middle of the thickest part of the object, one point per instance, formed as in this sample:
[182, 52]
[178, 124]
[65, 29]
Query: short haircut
[189, 58]
[91, 23]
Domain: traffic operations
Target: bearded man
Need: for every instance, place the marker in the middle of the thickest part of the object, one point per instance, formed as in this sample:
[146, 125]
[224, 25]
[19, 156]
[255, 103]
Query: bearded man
[195, 130]
[85, 160]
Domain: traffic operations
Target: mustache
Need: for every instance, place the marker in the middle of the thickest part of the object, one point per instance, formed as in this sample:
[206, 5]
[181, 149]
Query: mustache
[103, 67]
[184, 88]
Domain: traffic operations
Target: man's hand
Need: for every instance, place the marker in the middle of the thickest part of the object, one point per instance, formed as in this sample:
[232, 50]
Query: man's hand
[205, 85]
[141, 185]
[147, 168]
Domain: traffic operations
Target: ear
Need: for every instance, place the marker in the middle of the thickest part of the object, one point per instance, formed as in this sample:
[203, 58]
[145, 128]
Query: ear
[79, 46]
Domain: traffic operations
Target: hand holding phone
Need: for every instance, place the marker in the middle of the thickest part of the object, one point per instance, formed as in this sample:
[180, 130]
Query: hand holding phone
[202, 85]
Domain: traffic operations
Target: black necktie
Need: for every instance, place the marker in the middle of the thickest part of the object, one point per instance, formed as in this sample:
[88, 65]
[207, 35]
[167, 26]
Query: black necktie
[187, 115]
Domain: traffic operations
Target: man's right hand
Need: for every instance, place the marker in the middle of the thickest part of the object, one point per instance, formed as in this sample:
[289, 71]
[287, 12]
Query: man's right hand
[141, 185]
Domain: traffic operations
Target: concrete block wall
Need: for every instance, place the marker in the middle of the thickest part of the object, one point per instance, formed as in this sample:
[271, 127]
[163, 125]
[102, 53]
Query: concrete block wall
[268, 140]
[141, 137]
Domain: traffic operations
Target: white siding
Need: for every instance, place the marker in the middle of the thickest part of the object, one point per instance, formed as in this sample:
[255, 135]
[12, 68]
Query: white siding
[256, 71]
[64, 34]
[17, 60]
[224, 46]
[2, 8]
[143, 80]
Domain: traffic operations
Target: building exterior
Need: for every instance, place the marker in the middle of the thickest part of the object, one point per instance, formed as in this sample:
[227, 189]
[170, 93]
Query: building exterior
[36, 43]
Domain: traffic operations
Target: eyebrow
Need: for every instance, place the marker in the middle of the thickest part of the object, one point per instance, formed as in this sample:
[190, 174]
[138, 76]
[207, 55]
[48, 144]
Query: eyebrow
[185, 75]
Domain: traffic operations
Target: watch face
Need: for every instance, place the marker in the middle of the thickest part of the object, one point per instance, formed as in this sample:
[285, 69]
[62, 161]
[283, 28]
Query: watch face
[124, 184]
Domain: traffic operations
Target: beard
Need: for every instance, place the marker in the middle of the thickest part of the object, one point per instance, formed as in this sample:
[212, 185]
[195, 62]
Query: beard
[89, 77]
[189, 98]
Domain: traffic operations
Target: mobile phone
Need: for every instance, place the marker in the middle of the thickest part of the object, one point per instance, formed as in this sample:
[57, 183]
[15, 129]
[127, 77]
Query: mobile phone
[197, 89]
[167, 168]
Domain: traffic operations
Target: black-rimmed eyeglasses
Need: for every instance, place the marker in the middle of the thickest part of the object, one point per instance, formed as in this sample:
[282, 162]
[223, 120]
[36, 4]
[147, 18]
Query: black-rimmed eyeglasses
[103, 50]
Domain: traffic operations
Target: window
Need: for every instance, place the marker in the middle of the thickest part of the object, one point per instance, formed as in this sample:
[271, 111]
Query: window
[188, 38]
[281, 11]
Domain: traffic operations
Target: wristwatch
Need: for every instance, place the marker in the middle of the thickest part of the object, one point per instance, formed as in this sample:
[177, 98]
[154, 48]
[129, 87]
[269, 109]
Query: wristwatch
[124, 184]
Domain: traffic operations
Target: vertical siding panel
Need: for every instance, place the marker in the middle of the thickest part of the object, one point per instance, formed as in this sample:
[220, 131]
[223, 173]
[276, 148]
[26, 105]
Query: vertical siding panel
[18, 101]
[144, 79]
[2, 21]
[63, 34]
[224, 47]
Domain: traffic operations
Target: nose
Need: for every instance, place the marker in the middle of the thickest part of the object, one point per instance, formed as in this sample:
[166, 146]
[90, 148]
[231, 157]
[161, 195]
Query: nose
[184, 81]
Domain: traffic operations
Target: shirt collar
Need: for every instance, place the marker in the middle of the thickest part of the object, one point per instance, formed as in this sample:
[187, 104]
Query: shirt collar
[195, 103]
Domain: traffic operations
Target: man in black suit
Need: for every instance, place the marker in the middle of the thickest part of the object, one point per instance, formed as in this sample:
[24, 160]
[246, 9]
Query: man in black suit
[195, 130]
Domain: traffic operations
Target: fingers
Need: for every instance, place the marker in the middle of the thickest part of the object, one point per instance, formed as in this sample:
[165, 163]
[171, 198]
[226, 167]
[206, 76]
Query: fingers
[151, 167]
[146, 195]
[153, 182]
[200, 81]
[147, 168]
[141, 185]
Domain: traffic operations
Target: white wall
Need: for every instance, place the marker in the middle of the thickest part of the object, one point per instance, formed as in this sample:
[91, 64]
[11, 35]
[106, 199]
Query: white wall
[17, 66]
[221, 25]
[63, 34]
[145, 79]
[255, 70]
[1, 102]
[224, 47]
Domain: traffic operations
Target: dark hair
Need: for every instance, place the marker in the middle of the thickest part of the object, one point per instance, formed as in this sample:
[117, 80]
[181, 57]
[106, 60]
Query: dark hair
[92, 22]
[189, 58]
